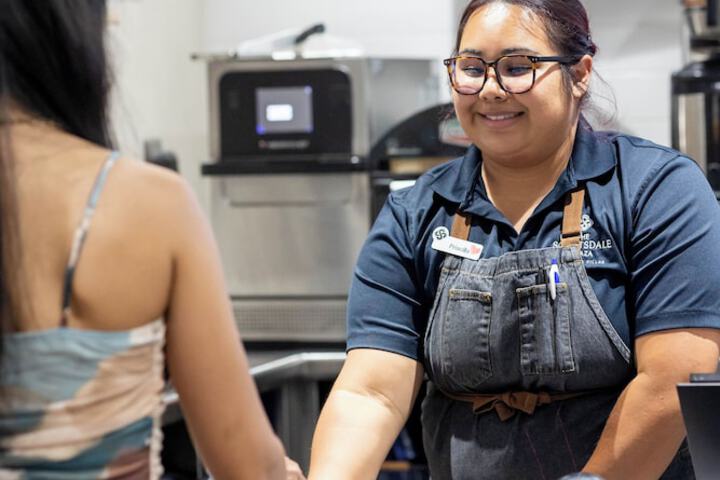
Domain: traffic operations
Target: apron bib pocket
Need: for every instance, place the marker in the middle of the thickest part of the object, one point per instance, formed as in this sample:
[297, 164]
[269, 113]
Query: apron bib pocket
[544, 325]
[465, 324]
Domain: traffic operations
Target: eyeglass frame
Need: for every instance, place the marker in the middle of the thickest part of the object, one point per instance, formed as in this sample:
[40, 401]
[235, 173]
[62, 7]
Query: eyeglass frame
[451, 62]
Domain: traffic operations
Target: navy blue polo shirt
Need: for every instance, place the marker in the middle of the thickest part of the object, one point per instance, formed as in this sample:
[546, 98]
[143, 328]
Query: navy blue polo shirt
[650, 241]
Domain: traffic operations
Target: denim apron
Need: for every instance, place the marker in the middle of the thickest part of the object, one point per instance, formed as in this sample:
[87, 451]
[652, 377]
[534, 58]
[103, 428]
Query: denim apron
[521, 384]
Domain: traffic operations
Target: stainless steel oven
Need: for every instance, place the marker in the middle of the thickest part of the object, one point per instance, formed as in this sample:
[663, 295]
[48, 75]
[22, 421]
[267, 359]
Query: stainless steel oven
[289, 180]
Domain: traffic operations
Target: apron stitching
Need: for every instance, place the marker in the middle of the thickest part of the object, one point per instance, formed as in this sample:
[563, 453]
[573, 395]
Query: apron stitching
[570, 352]
[470, 274]
[602, 317]
[519, 270]
[483, 275]
[553, 333]
[534, 452]
[565, 437]
[446, 367]
[428, 328]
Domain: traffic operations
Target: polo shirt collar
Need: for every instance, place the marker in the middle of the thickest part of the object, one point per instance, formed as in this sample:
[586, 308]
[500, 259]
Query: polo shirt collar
[593, 155]
[455, 183]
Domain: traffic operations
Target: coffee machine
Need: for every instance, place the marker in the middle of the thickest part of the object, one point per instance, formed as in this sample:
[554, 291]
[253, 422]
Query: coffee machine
[696, 91]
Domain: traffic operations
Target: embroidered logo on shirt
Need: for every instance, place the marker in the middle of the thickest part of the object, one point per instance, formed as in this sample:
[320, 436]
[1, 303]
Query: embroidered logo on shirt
[589, 247]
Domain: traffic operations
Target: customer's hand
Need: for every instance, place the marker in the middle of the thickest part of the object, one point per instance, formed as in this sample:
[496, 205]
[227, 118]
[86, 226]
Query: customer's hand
[292, 470]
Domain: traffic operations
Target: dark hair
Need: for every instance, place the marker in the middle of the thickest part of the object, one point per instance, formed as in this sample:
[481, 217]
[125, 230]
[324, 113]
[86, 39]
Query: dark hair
[52, 68]
[53, 64]
[568, 29]
[566, 23]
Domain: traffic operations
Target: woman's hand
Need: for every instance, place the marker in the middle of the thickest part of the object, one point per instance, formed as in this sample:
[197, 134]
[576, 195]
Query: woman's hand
[293, 470]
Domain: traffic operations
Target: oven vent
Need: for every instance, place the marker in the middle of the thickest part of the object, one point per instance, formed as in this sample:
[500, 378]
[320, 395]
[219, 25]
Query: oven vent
[291, 320]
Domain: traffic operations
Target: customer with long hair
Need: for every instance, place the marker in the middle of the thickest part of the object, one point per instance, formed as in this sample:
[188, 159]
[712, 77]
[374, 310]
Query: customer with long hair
[109, 270]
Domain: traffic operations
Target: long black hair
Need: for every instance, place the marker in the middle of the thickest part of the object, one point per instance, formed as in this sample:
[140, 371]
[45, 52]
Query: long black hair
[53, 68]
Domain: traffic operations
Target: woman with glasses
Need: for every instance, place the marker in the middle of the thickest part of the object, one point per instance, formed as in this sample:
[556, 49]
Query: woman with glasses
[109, 272]
[553, 285]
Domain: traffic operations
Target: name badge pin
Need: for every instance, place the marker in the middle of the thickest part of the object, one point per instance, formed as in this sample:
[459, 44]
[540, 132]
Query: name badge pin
[443, 242]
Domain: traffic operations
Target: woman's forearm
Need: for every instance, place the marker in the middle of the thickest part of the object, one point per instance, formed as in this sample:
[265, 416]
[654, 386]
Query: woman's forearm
[353, 436]
[642, 434]
[366, 409]
[645, 429]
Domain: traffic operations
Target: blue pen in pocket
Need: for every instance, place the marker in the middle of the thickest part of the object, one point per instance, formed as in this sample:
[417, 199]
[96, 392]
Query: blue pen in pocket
[554, 278]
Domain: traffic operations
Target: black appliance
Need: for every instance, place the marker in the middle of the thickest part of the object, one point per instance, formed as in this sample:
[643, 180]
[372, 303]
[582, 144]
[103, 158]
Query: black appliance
[427, 138]
[696, 93]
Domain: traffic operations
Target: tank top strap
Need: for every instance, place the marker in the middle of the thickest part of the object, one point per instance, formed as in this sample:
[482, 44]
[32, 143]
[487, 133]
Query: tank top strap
[81, 233]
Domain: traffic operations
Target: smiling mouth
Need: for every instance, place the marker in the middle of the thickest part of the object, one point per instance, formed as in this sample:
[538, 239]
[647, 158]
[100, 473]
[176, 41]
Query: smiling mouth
[500, 116]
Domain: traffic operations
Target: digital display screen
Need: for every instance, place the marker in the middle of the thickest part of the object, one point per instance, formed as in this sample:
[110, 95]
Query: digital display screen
[282, 110]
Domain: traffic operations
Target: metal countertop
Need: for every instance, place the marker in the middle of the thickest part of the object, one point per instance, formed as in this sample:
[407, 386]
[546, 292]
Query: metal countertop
[273, 368]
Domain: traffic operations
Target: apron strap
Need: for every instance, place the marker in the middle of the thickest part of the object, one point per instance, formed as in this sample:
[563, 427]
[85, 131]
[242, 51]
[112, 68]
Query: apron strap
[571, 225]
[460, 226]
[572, 219]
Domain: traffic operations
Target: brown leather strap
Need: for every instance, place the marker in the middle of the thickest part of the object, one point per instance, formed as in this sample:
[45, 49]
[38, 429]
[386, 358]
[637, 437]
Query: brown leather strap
[460, 226]
[571, 225]
[572, 219]
[506, 405]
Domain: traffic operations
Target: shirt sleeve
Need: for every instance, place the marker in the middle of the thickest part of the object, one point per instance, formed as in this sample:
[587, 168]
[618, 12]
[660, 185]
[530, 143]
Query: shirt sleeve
[675, 250]
[384, 307]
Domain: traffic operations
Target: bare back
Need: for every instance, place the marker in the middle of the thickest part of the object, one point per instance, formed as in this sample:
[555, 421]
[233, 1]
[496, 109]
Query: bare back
[149, 253]
[124, 273]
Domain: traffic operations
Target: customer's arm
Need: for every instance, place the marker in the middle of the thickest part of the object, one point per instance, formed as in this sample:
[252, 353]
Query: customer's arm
[207, 363]
[366, 409]
[646, 428]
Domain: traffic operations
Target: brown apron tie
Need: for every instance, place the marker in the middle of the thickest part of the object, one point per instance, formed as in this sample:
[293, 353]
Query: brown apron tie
[509, 403]
[572, 219]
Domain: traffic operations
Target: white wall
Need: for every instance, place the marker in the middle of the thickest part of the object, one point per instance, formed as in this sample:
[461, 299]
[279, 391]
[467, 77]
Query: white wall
[161, 93]
[417, 28]
[641, 44]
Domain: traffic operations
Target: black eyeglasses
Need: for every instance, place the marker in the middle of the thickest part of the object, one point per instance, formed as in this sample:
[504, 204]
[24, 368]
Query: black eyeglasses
[514, 73]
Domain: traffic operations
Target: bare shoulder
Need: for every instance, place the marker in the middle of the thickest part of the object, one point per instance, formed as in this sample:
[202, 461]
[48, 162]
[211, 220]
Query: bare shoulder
[156, 188]
[155, 200]
[150, 182]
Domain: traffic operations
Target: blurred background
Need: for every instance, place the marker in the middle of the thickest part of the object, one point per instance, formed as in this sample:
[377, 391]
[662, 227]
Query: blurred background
[161, 93]
[296, 118]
